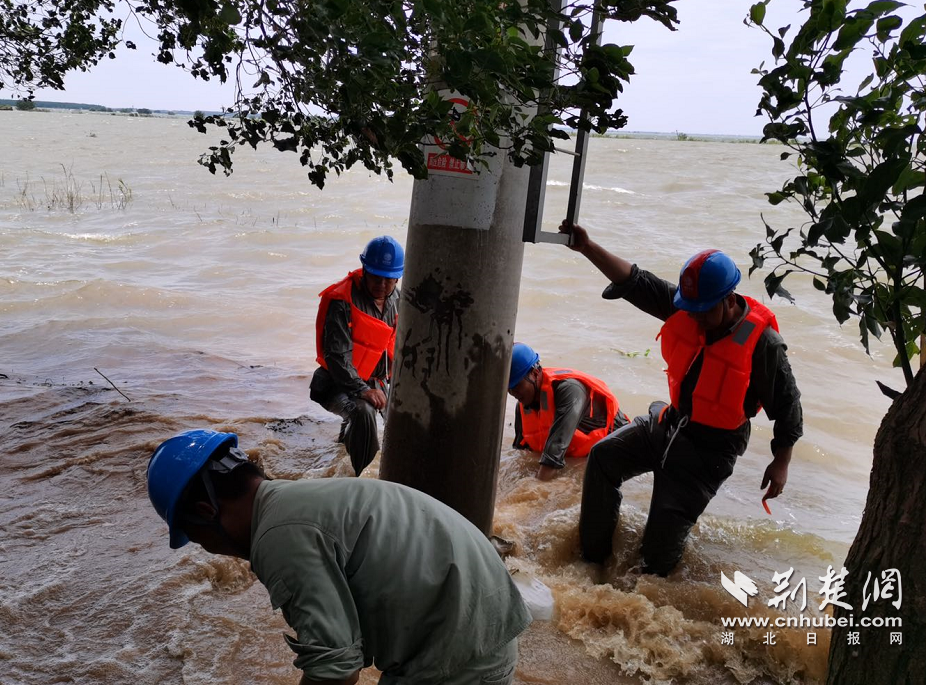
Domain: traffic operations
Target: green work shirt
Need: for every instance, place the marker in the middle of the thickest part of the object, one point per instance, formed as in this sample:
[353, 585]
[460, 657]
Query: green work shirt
[371, 572]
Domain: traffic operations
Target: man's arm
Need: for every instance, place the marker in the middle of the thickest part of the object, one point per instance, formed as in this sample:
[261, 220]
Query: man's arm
[350, 680]
[776, 474]
[299, 565]
[338, 348]
[615, 269]
[518, 443]
[781, 398]
[571, 400]
[644, 290]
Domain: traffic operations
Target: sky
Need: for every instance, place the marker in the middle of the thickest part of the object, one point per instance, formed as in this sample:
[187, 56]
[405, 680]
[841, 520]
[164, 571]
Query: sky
[694, 80]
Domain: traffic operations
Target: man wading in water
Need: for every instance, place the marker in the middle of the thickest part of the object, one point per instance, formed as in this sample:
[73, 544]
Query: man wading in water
[561, 412]
[725, 362]
[366, 572]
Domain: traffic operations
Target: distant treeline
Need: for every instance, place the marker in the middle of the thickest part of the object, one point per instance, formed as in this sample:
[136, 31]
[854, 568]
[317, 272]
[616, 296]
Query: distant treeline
[677, 135]
[43, 104]
[59, 105]
[143, 111]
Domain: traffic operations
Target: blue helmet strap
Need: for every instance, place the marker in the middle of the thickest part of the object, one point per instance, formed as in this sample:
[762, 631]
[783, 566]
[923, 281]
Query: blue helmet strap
[535, 367]
[227, 463]
[535, 382]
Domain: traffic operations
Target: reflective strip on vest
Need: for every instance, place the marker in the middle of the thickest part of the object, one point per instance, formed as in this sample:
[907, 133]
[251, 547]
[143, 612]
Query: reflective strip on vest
[718, 397]
[536, 424]
[370, 336]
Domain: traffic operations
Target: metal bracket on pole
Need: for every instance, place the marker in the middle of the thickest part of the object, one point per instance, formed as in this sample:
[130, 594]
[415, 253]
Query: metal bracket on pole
[537, 184]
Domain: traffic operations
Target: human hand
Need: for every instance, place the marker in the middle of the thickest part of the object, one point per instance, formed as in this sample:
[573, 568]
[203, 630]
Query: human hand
[374, 396]
[578, 234]
[776, 475]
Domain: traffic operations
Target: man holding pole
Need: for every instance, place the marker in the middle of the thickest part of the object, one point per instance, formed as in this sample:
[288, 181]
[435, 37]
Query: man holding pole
[726, 361]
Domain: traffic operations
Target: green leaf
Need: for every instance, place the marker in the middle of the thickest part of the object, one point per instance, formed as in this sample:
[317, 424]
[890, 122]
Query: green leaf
[559, 38]
[758, 258]
[757, 13]
[841, 310]
[911, 350]
[479, 22]
[915, 210]
[230, 15]
[576, 29]
[831, 15]
[613, 52]
[852, 32]
[888, 246]
[434, 8]
[871, 323]
[913, 34]
[818, 230]
[778, 48]
[880, 180]
[909, 179]
[886, 26]
[773, 285]
[880, 7]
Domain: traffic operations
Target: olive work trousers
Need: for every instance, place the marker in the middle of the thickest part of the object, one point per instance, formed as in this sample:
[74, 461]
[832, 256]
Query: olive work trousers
[683, 484]
[359, 431]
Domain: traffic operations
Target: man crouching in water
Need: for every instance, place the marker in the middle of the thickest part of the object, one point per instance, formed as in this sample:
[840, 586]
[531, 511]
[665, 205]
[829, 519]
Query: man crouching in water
[366, 572]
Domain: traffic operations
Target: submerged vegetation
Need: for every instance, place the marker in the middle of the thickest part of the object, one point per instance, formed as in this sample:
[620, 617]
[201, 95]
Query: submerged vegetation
[71, 194]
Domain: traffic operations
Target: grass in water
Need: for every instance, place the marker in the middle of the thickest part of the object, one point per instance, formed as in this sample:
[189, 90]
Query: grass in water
[70, 194]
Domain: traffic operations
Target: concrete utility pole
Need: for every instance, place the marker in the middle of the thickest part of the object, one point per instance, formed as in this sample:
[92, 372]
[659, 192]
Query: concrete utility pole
[456, 325]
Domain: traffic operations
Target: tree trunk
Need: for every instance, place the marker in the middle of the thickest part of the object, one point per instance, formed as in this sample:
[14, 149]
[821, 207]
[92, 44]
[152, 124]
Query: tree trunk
[892, 535]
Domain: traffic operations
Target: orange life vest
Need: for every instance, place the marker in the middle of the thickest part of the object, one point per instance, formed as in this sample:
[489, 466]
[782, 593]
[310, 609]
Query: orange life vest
[718, 396]
[371, 337]
[536, 423]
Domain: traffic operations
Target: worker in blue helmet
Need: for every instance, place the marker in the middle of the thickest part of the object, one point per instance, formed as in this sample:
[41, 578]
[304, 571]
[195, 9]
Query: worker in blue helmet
[561, 412]
[366, 572]
[354, 343]
[726, 361]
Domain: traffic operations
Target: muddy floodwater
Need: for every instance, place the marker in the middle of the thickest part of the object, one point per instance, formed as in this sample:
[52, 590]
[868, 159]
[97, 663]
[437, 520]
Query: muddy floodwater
[196, 296]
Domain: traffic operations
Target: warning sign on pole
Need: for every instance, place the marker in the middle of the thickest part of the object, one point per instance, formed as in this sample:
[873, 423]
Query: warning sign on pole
[455, 194]
[439, 162]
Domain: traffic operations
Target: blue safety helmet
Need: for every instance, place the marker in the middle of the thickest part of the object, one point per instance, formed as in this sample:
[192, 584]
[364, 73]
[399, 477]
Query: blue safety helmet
[173, 465]
[705, 280]
[523, 359]
[384, 257]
